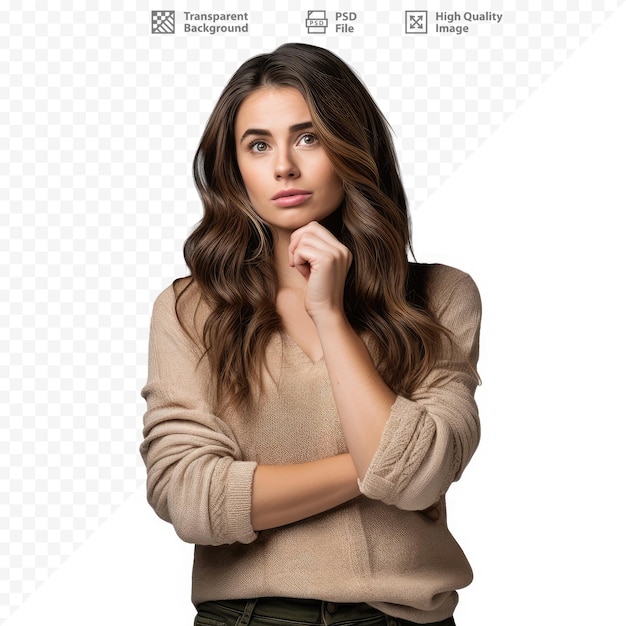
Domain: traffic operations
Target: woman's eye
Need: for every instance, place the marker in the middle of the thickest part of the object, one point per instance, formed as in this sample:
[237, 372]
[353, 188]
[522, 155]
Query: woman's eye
[258, 146]
[308, 139]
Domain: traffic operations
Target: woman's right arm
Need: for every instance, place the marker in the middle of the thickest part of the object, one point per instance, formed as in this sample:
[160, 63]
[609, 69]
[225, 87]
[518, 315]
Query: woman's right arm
[198, 478]
[282, 494]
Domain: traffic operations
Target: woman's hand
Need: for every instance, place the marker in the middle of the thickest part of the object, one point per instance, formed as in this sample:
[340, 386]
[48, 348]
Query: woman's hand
[317, 254]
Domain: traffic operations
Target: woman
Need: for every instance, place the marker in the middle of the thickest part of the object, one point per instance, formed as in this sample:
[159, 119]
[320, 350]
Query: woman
[310, 392]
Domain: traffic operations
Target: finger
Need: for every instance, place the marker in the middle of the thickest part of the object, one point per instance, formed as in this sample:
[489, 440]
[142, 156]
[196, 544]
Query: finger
[334, 251]
[313, 229]
[311, 256]
[317, 229]
[318, 254]
[294, 242]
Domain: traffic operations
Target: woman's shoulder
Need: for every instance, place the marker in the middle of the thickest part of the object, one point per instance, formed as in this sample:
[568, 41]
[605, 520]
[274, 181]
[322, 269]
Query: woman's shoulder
[166, 299]
[437, 275]
[437, 286]
[181, 304]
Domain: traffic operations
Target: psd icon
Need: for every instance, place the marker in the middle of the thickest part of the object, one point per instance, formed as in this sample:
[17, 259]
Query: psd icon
[416, 22]
[316, 22]
[163, 22]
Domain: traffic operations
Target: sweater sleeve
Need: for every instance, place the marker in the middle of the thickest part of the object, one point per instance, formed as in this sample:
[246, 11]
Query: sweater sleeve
[196, 477]
[431, 436]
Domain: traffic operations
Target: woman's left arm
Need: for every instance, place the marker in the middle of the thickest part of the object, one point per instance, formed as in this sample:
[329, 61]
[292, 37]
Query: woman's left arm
[406, 451]
[362, 398]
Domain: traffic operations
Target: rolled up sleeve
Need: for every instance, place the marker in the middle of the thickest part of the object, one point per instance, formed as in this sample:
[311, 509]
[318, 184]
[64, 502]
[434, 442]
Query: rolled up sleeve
[431, 436]
[196, 476]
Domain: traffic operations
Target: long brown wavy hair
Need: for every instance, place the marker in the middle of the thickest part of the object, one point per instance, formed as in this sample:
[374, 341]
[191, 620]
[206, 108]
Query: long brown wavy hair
[230, 251]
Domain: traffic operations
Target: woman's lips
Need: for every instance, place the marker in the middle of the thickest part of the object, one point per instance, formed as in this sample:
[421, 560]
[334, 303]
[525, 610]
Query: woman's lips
[291, 197]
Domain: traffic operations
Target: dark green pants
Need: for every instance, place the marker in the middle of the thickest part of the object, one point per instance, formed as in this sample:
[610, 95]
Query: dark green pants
[284, 611]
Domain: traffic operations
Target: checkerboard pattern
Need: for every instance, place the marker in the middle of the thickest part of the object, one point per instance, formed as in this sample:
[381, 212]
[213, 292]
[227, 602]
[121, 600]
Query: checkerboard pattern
[164, 22]
[100, 120]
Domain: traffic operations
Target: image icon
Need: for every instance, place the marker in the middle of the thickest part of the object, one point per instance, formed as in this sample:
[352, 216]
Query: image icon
[416, 22]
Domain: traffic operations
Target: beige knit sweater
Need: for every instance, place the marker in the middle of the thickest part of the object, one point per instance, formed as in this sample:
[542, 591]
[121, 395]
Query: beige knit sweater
[377, 548]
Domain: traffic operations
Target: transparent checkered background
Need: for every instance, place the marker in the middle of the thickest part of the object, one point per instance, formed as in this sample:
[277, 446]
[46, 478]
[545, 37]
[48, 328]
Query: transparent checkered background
[99, 121]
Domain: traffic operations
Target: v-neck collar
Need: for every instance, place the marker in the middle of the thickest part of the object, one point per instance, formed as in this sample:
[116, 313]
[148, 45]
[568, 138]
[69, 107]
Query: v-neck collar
[289, 341]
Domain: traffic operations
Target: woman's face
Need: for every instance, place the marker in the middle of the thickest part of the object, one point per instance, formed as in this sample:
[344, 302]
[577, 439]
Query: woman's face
[289, 179]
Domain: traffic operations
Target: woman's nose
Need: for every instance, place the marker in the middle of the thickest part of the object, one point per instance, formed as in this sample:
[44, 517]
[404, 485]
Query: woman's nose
[286, 167]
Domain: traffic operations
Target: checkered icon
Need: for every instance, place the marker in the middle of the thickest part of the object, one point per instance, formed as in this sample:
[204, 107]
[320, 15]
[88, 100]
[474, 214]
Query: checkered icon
[163, 22]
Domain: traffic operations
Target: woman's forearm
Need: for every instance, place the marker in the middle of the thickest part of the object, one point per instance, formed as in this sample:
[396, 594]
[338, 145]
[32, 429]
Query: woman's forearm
[362, 397]
[282, 494]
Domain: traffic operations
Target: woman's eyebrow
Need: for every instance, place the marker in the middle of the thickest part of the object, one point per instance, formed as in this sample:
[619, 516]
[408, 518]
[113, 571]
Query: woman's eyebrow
[302, 126]
[266, 133]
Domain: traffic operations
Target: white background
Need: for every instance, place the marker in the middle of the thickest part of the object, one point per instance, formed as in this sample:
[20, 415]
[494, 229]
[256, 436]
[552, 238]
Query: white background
[526, 195]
